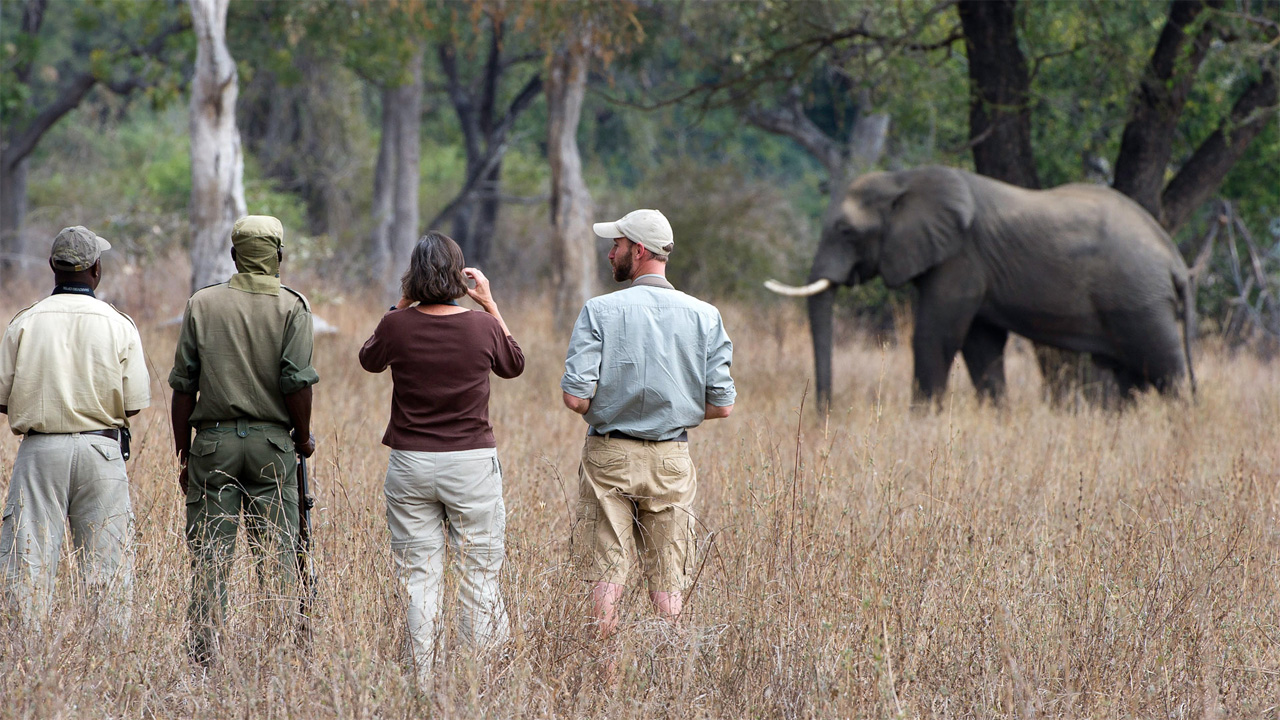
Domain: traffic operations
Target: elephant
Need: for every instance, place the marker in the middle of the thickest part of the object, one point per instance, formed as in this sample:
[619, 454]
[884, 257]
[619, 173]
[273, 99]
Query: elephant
[1079, 267]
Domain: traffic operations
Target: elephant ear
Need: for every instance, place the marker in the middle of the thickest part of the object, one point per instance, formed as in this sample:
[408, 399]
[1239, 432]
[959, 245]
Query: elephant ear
[926, 224]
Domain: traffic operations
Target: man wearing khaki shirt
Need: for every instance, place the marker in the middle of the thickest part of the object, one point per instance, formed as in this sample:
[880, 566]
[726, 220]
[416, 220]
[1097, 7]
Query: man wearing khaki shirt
[71, 372]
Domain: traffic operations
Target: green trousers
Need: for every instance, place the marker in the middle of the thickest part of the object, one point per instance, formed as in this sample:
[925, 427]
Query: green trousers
[237, 467]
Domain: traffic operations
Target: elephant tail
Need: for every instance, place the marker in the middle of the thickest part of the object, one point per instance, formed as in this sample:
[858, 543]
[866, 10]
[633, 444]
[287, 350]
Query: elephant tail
[1186, 286]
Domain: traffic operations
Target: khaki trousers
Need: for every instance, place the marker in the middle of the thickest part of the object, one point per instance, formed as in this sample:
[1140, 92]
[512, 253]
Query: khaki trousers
[81, 479]
[423, 490]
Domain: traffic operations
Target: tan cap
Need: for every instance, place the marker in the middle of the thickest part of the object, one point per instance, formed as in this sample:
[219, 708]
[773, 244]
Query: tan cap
[647, 227]
[254, 227]
[76, 249]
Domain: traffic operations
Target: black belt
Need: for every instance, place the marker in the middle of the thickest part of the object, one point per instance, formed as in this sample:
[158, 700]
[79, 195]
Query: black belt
[113, 434]
[616, 435]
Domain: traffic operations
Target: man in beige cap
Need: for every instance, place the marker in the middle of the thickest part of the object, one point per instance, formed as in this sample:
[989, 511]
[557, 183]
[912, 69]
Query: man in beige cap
[242, 379]
[644, 365]
[71, 373]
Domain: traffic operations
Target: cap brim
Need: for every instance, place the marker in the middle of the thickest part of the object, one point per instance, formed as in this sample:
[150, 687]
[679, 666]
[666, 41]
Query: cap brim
[102, 243]
[607, 230]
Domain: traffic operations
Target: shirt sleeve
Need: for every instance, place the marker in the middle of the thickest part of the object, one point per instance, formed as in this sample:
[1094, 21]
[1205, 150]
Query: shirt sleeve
[374, 354]
[508, 358]
[720, 388]
[296, 372]
[133, 366]
[185, 376]
[582, 363]
[8, 360]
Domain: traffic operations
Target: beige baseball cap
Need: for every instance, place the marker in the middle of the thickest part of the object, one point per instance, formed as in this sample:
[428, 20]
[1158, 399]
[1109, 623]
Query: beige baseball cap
[647, 227]
[76, 249]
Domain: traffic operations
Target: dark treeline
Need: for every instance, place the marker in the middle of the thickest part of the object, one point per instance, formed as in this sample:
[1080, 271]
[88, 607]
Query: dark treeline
[364, 122]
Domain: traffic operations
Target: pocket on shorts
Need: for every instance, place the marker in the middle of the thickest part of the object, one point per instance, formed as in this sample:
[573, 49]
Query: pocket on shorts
[605, 456]
[109, 451]
[280, 442]
[583, 538]
[676, 466]
[203, 446]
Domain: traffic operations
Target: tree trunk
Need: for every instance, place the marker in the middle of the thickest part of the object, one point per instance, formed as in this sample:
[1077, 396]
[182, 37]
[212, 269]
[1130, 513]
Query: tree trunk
[571, 209]
[217, 166]
[13, 210]
[486, 217]
[407, 108]
[383, 174]
[1147, 142]
[474, 211]
[999, 113]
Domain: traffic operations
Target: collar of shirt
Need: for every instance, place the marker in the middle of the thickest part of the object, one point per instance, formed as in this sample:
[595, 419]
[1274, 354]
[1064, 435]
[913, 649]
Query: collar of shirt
[73, 289]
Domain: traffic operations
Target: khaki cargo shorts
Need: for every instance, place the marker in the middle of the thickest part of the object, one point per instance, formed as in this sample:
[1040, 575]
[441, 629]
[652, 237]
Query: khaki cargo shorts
[635, 495]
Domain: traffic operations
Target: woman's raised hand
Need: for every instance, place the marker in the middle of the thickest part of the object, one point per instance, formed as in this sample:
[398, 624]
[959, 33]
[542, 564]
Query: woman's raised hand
[480, 293]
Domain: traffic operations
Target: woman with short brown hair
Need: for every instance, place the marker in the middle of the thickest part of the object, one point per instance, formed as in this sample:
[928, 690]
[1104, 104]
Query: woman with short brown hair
[444, 461]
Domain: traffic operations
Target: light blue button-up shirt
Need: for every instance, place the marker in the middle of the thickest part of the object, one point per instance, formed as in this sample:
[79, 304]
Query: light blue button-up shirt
[650, 359]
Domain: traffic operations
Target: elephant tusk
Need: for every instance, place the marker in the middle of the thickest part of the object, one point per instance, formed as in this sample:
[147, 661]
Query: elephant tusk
[812, 288]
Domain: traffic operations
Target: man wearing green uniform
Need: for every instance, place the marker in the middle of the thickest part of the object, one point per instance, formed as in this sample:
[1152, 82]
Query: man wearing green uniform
[242, 380]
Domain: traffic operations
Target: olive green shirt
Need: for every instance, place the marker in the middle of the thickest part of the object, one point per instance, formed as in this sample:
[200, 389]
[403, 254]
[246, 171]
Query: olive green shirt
[240, 353]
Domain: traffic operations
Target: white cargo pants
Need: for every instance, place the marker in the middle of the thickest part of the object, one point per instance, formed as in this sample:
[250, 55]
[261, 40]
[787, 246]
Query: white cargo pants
[423, 489]
[81, 479]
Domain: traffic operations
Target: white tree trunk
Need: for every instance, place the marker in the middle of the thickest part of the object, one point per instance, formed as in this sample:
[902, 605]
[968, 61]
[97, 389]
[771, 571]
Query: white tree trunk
[217, 166]
[404, 201]
[571, 208]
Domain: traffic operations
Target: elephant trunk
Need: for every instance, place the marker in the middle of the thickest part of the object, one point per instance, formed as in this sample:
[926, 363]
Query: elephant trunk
[820, 324]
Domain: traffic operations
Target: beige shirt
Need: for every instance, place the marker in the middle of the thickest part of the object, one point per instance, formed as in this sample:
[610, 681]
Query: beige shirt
[71, 363]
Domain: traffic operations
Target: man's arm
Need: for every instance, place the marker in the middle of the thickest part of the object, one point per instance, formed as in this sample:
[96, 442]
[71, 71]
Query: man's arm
[717, 412]
[582, 364]
[180, 419]
[299, 404]
[577, 404]
[721, 392]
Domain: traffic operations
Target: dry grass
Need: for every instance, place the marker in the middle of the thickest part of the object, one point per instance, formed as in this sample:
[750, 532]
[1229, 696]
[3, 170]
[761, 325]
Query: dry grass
[974, 562]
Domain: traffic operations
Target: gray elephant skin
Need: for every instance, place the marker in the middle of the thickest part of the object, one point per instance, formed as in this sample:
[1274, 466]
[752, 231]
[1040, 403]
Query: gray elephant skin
[1080, 267]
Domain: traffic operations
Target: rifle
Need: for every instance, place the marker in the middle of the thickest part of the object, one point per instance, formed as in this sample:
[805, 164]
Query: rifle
[306, 568]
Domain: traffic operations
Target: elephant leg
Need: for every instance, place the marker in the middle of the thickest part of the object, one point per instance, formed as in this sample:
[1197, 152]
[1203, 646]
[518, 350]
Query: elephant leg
[983, 352]
[945, 309]
[1149, 348]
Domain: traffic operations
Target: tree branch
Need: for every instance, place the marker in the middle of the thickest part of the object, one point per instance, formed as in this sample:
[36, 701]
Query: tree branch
[790, 120]
[1147, 140]
[21, 145]
[1204, 172]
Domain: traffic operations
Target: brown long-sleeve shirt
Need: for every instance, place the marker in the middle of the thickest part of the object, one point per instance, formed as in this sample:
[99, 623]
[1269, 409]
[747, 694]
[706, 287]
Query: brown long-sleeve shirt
[440, 367]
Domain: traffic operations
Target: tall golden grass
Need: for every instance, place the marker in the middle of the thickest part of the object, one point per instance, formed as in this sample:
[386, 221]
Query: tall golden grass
[1021, 561]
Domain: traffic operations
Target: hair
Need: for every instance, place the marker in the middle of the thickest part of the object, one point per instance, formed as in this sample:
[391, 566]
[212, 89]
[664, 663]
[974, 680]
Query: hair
[435, 270]
[660, 258]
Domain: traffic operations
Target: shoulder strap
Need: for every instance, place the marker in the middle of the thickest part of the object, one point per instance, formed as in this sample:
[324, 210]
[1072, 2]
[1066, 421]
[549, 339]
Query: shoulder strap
[22, 311]
[301, 297]
[652, 281]
[123, 315]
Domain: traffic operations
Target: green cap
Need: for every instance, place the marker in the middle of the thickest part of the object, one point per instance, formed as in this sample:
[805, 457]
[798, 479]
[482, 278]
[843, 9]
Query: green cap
[252, 229]
[76, 249]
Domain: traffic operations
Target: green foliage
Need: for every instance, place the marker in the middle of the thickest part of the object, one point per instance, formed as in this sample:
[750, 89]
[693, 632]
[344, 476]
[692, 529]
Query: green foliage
[106, 38]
